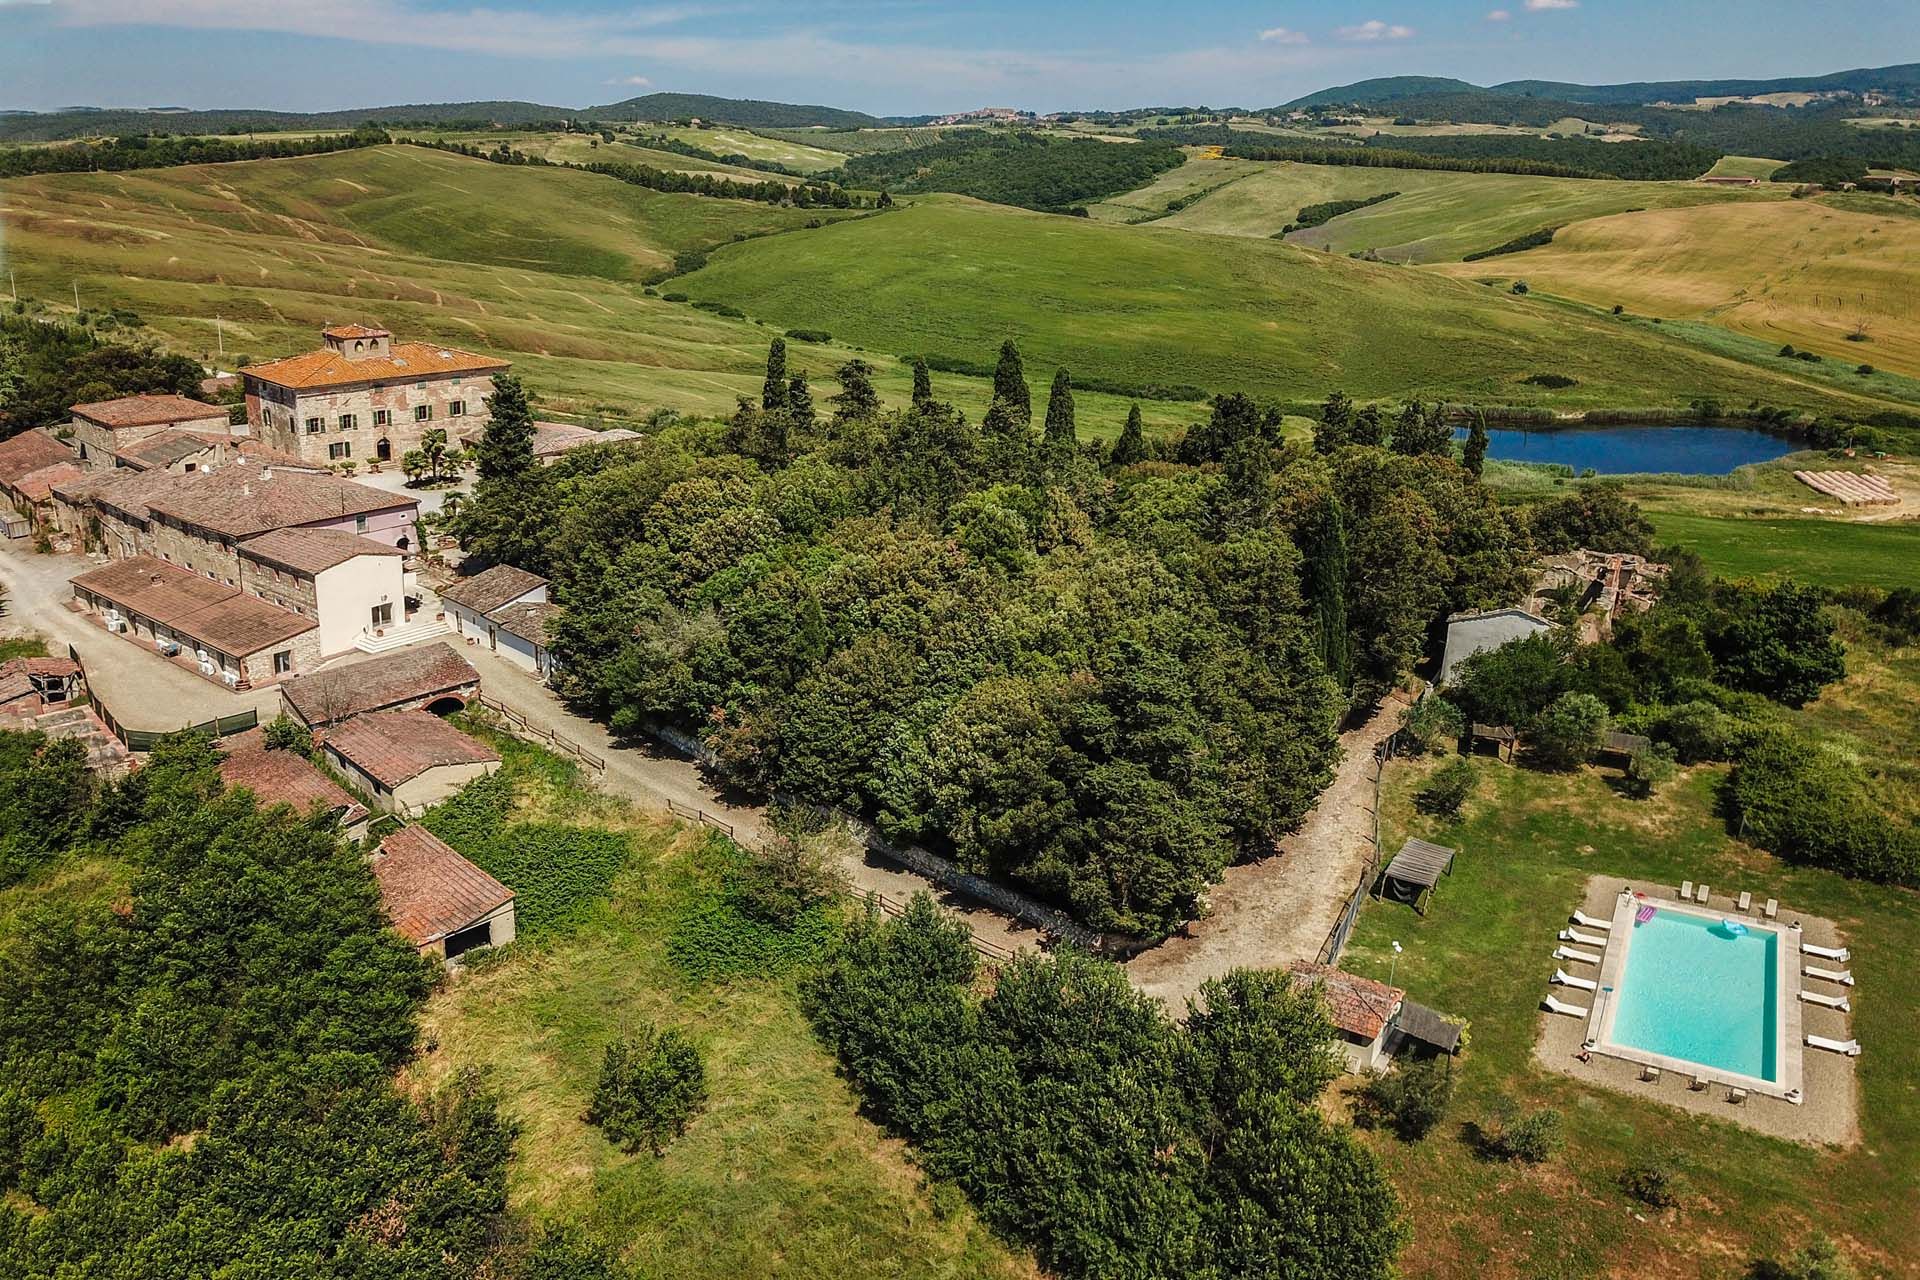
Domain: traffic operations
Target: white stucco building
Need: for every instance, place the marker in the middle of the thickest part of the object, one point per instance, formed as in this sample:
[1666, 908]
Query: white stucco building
[505, 611]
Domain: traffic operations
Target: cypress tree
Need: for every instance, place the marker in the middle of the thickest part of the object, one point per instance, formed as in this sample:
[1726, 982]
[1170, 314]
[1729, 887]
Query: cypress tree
[1131, 447]
[1368, 429]
[856, 398]
[1474, 456]
[1058, 439]
[506, 445]
[1326, 591]
[922, 384]
[1409, 429]
[1335, 427]
[1006, 445]
[773, 392]
[800, 402]
[1010, 384]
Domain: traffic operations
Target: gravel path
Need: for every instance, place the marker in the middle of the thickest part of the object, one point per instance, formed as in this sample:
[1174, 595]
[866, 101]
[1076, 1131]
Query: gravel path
[1280, 909]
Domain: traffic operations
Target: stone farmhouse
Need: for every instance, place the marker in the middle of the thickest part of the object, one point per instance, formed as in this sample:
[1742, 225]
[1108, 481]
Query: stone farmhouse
[31, 463]
[105, 427]
[429, 677]
[249, 573]
[407, 761]
[364, 398]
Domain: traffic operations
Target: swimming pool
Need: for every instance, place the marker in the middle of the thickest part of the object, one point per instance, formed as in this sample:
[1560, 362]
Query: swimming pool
[1692, 991]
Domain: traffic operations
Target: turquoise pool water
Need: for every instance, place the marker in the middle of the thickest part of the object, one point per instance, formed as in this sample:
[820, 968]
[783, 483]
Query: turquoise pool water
[1693, 990]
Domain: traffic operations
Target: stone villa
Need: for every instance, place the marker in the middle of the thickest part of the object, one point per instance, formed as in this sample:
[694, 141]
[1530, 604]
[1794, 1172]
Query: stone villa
[363, 397]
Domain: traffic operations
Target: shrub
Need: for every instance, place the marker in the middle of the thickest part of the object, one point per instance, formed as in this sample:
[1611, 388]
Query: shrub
[1897, 618]
[778, 881]
[1652, 1181]
[1618, 309]
[1552, 381]
[287, 734]
[650, 1087]
[1447, 790]
[1787, 352]
[1794, 798]
[1648, 767]
[1569, 732]
[1531, 1137]
[1700, 731]
[1519, 286]
[1864, 370]
[1434, 725]
[810, 335]
[673, 297]
[1818, 1259]
[1413, 1099]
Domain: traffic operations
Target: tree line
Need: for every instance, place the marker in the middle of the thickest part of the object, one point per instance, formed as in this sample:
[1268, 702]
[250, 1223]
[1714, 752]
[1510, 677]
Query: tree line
[1097, 673]
[45, 369]
[1016, 167]
[141, 152]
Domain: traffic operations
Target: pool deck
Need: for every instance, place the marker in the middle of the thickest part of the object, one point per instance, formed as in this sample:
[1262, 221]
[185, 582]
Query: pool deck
[1827, 1111]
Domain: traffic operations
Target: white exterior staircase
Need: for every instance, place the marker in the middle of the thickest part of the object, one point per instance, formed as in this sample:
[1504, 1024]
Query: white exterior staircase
[401, 635]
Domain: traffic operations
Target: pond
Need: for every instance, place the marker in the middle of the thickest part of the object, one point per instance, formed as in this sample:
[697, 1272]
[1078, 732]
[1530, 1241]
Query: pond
[1682, 449]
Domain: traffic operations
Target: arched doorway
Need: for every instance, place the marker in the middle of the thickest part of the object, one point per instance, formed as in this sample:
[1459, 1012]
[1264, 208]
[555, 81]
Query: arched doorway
[446, 706]
[383, 449]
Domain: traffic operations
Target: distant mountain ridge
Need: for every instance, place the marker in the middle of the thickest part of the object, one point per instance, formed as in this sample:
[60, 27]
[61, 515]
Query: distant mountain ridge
[1900, 78]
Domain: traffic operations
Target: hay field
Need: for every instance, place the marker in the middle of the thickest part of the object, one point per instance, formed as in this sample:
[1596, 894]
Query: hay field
[580, 148]
[1743, 167]
[1797, 272]
[757, 146]
[1439, 216]
[1156, 304]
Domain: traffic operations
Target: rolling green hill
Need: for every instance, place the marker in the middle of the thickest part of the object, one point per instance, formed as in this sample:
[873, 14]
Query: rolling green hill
[1154, 304]
[748, 112]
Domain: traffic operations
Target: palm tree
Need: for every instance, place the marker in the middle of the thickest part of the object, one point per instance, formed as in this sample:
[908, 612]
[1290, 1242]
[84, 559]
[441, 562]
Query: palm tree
[434, 444]
[414, 463]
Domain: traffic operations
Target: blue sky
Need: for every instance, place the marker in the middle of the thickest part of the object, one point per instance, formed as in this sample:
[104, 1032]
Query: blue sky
[895, 56]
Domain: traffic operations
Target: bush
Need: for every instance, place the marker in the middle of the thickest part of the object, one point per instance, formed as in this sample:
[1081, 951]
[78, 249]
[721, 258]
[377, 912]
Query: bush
[1447, 790]
[1413, 1099]
[1699, 731]
[1818, 1259]
[673, 297]
[650, 1087]
[1652, 1181]
[1519, 286]
[1569, 732]
[1434, 725]
[1648, 767]
[1864, 370]
[778, 881]
[1531, 1137]
[1552, 381]
[287, 734]
[1795, 798]
[810, 335]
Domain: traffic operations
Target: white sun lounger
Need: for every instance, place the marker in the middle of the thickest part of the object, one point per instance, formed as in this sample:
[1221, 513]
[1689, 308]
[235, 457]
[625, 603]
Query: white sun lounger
[1849, 1047]
[1578, 957]
[1772, 908]
[1842, 976]
[1584, 939]
[1701, 897]
[1826, 953]
[1832, 1002]
[1582, 918]
[1561, 1006]
[1686, 891]
[1746, 900]
[1561, 978]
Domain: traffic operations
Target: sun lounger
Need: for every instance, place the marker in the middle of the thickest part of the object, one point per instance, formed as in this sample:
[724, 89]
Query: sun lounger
[1650, 1074]
[1578, 957]
[1582, 918]
[1772, 909]
[1699, 1084]
[1746, 900]
[1842, 976]
[1831, 1002]
[1701, 897]
[1736, 1096]
[1561, 978]
[1561, 1006]
[1849, 1047]
[1826, 953]
[1686, 891]
[1584, 939]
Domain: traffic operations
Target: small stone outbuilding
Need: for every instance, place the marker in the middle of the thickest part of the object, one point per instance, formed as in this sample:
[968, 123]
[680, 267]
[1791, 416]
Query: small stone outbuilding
[438, 900]
[406, 761]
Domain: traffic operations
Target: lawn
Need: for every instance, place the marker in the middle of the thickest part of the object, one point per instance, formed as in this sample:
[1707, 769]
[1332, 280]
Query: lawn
[1527, 843]
[1743, 167]
[1155, 304]
[784, 150]
[779, 1177]
[1832, 553]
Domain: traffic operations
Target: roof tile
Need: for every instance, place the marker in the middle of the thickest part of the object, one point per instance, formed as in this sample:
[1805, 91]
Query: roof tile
[147, 411]
[394, 747]
[408, 361]
[408, 675]
[428, 889]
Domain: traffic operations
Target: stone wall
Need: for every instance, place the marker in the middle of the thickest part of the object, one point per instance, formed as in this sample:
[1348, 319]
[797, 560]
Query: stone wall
[354, 420]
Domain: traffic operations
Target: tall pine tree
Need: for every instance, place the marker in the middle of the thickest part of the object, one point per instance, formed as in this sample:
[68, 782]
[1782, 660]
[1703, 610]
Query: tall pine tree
[1057, 440]
[1474, 456]
[800, 401]
[1325, 586]
[1010, 385]
[1131, 447]
[922, 384]
[773, 392]
[506, 445]
[1335, 427]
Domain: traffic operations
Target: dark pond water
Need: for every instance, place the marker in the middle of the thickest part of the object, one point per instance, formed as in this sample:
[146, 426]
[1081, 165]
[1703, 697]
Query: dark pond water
[1681, 449]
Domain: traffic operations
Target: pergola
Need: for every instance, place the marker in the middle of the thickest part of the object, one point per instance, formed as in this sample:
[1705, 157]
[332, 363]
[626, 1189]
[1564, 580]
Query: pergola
[1503, 737]
[1413, 873]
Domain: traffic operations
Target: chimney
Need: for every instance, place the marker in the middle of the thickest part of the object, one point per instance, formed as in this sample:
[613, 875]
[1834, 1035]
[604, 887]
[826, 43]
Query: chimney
[266, 473]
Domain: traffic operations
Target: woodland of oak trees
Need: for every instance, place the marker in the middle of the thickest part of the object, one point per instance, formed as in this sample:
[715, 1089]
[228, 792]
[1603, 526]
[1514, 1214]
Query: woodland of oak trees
[1097, 675]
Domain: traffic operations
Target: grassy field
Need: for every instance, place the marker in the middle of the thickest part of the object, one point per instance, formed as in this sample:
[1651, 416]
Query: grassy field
[1157, 304]
[549, 277]
[1527, 843]
[1829, 552]
[780, 1176]
[854, 142]
[581, 148]
[1437, 217]
[758, 146]
[1795, 272]
[1743, 167]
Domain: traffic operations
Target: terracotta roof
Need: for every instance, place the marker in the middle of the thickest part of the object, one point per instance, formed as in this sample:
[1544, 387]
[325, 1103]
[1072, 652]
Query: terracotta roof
[240, 501]
[393, 747]
[147, 411]
[428, 889]
[43, 666]
[409, 361]
[312, 550]
[528, 620]
[386, 681]
[284, 777]
[14, 686]
[1360, 1006]
[31, 451]
[209, 612]
[37, 486]
[486, 591]
[351, 331]
[124, 490]
[164, 448]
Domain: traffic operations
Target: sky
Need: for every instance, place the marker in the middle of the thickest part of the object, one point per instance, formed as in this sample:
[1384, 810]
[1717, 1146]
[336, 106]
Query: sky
[896, 57]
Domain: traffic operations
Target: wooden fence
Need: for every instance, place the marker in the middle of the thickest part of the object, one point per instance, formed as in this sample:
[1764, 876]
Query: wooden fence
[521, 727]
[1337, 936]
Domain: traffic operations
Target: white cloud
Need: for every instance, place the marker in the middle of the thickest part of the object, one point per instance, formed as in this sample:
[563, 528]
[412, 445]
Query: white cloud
[1284, 35]
[1374, 29]
[1539, 5]
[1498, 15]
[632, 82]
